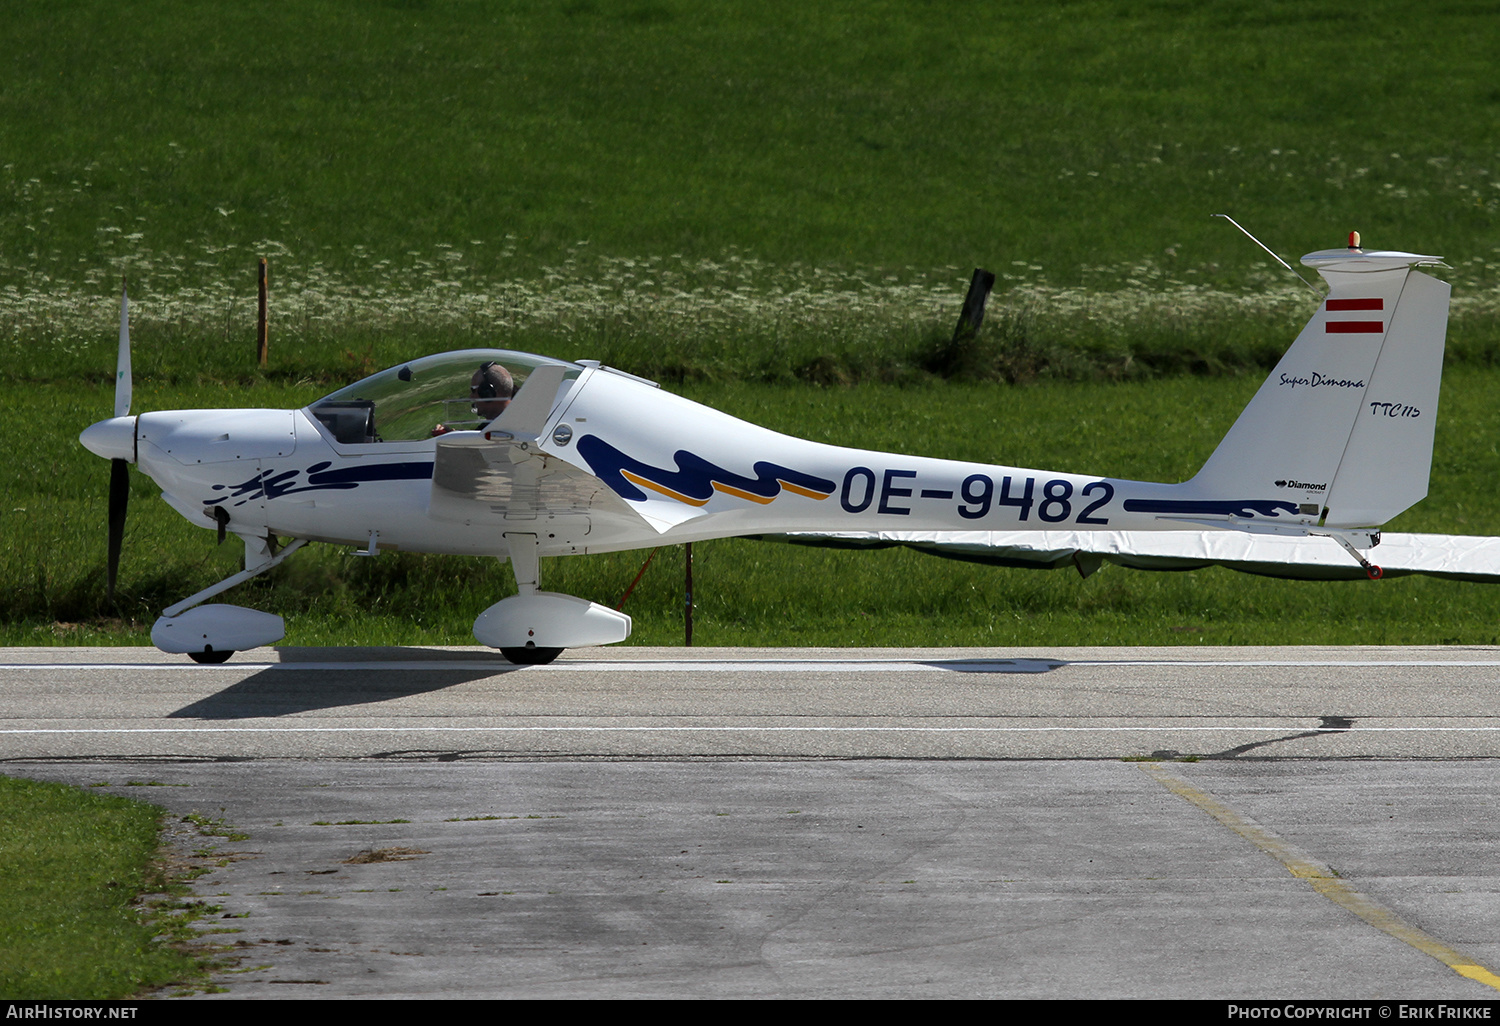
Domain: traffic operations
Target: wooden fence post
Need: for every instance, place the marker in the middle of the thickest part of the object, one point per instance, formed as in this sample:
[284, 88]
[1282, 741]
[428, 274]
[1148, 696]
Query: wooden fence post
[973, 312]
[261, 341]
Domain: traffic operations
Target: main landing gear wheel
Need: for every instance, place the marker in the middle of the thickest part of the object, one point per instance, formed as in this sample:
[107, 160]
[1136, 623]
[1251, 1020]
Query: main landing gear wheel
[531, 656]
[210, 656]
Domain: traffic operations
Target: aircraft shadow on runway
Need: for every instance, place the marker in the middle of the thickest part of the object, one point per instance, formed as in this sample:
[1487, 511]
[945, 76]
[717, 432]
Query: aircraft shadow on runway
[995, 665]
[284, 691]
[385, 654]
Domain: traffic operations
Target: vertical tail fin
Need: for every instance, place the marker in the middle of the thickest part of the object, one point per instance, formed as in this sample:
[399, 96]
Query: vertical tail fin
[1343, 427]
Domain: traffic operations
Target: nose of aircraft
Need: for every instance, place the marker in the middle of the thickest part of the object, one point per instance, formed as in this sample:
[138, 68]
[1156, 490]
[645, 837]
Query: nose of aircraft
[114, 439]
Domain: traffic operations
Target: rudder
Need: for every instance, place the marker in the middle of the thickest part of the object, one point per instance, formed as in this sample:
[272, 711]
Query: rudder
[1343, 426]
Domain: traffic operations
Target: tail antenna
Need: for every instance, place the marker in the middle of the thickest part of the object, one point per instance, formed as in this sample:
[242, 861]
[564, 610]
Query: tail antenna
[123, 384]
[1311, 288]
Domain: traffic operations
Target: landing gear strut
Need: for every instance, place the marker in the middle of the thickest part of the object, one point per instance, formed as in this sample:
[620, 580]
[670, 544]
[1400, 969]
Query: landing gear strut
[1372, 571]
[212, 633]
[532, 627]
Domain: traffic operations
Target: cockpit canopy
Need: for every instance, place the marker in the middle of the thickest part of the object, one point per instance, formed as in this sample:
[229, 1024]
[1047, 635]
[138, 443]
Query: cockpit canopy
[410, 401]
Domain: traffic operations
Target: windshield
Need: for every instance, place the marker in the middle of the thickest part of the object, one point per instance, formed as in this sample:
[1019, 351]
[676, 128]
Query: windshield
[425, 397]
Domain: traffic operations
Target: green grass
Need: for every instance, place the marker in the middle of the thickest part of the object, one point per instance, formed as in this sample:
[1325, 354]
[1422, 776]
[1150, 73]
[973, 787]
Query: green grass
[736, 190]
[879, 133]
[71, 867]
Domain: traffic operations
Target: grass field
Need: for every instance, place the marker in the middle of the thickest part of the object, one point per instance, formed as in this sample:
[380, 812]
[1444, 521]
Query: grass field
[1080, 137]
[72, 864]
[726, 198]
[735, 190]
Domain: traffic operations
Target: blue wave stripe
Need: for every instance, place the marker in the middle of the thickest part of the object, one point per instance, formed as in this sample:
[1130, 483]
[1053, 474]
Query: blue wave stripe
[694, 476]
[1232, 507]
[273, 484]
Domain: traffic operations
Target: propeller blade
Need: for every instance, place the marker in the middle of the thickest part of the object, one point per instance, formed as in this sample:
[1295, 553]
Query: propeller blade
[119, 494]
[122, 366]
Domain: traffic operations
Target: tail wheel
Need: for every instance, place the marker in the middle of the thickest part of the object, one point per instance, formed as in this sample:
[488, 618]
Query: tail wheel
[1375, 572]
[531, 656]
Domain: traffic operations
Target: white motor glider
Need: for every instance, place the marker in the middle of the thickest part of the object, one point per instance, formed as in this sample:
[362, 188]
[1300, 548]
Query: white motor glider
[585, 458]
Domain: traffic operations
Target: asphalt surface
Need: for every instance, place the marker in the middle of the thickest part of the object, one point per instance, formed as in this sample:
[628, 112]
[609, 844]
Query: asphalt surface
[1206, 823]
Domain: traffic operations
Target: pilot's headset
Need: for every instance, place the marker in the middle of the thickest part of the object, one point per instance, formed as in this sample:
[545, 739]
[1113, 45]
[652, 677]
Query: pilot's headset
[495, 382]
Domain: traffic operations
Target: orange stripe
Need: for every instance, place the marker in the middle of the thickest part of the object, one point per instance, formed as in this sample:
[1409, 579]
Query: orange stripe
[799, 490]
[742, 494]
[637, 479]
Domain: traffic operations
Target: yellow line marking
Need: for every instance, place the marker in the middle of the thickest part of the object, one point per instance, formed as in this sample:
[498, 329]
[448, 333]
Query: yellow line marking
[1323, 879]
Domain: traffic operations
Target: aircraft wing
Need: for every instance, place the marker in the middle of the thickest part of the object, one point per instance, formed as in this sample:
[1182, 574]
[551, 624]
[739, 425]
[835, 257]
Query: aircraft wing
[1454, 557]
[475, 480]
[499, 475]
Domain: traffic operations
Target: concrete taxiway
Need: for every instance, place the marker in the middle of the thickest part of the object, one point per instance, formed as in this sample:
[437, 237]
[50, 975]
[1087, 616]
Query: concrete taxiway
[652, 822]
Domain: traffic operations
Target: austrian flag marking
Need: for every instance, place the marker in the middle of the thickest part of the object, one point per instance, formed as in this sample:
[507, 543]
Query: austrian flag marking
[1333, 327]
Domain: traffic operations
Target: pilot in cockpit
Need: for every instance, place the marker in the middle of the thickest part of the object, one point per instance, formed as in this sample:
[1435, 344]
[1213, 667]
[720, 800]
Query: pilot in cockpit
[490, 391]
